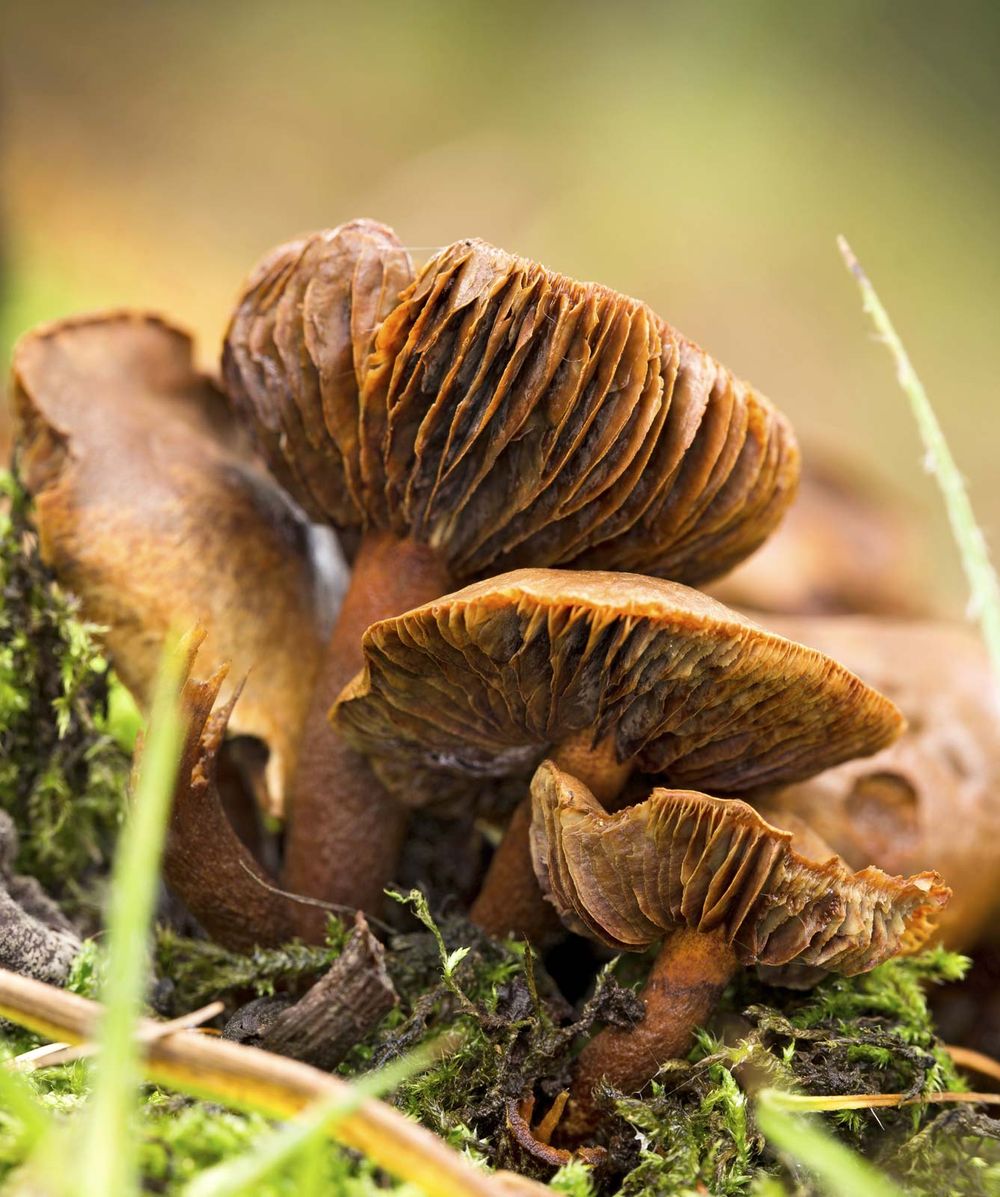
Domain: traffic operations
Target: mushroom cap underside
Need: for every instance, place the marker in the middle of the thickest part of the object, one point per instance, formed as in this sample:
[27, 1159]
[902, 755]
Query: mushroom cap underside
[484, 682]
[684, 859]
[502, 413]
[151, 511]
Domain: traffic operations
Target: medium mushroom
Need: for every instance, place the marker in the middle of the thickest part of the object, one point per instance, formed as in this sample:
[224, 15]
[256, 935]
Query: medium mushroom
[487, 414]
[722, 888]
[603, 673]
[931, 799]
[150, 508]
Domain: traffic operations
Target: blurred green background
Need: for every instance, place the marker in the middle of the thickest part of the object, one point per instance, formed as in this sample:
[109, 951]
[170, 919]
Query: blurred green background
[701, 156]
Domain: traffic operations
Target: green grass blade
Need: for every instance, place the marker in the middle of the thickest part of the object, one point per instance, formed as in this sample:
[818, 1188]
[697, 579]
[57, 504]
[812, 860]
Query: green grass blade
[109, 1163]
[840, 1172]
[984, 587]
[299, 1139]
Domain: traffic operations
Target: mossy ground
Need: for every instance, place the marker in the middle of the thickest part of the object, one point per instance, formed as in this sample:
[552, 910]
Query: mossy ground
[63, 771]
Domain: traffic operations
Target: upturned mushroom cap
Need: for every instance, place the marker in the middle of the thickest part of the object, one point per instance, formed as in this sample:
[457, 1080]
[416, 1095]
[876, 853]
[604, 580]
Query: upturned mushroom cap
[148, 509]
[683, 859]
[483, 682]
[506, 415]
[932, 799]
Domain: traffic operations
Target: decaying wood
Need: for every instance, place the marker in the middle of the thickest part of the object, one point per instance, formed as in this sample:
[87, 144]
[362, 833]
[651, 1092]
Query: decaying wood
[36, 939]
[341, 1008]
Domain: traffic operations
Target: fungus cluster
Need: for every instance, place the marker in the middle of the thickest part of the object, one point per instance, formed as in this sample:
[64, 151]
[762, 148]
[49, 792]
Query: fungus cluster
[527, 475]
[485, 414]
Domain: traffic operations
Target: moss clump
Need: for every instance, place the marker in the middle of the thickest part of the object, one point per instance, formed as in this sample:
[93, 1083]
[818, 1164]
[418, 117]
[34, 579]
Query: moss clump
[63, 775]
[179, 1139]
[956, 1154]
[192, 972]
[517, 1033]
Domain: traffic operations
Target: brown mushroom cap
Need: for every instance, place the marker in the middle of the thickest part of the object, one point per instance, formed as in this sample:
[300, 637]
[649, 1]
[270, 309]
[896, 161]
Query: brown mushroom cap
[931, 799]
[296, 353]
[150, 512]
[483, 682]
[683, 859]
[506, 415]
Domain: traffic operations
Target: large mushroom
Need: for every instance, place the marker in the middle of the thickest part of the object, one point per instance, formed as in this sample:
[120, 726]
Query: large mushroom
[487, 414]
[151, 509]
[931, 799]
[722, 888]
[603, 673]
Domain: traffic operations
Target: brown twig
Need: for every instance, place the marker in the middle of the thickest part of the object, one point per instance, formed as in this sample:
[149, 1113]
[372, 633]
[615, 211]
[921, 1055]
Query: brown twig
[350, 999]
[53, 1054]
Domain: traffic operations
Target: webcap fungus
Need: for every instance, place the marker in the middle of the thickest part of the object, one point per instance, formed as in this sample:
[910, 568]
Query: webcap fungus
[722, 888]
[604, 673]
[487, 414]
[151, 509]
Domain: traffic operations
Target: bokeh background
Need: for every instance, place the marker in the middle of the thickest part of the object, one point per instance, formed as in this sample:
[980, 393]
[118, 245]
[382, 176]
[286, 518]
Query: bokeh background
[702, 156]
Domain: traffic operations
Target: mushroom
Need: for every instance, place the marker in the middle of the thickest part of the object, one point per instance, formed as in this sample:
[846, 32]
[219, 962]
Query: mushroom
[150, 508]
[487, 414]
[931, 799]
[603, 673]
[722, 888]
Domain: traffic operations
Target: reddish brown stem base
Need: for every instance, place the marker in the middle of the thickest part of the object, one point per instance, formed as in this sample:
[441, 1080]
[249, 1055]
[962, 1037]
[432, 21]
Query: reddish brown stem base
[345, 831]
[683, 988]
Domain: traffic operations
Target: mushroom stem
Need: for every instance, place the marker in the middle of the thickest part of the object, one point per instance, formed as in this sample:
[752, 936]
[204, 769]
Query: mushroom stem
[596, 765]
[510, 901]
[345, 830]
[683, 987]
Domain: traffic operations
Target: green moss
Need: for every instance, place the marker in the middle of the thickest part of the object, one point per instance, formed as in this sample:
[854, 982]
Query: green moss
[178, 1139]
[867, 1034]
[195, 971]
[63, 775]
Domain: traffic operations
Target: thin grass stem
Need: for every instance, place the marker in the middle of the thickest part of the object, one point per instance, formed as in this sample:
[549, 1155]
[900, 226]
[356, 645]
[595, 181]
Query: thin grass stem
[984, 587]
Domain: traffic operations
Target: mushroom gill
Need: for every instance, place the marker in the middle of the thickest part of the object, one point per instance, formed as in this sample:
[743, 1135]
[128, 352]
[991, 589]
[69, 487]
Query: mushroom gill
[605, 673]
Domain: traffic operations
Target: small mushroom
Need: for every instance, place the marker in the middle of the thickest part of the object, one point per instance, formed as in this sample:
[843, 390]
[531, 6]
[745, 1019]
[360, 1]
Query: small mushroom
[931, 800]
[722, 888]
[604, 673]
[487, 414]
[150, 508]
